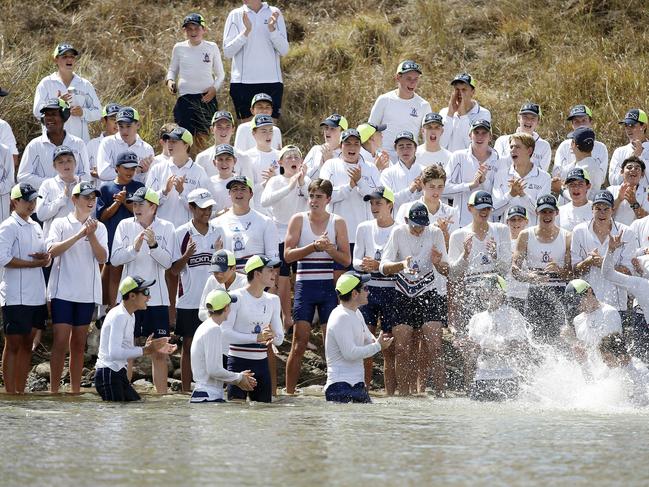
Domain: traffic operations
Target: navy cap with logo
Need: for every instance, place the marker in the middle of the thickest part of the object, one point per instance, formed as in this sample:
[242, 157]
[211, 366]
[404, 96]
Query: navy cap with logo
[481, 199]
[432, 117]
[262, 121]
[584, 138]
[418, 214]
[134, 284]
[261, 97]
[62, 150]
[127, 159]
[516, 210]
[577, 174]
[546, 202]
[62, 48]
[405, 135]
[85, 188]
[224, 149]
[464, 78]
[380, 192]
[407, 66]
[530, 108]
[222, 115]
[481, 124]
[179, 133]
[239, 180]
[24, 191]
[55, 104]
[110, 110]
[335, 120]
[633, 116]
[194, 18]
[128, 114]
[349, 133]
[604, 196]
[580, 111]
[222, 260]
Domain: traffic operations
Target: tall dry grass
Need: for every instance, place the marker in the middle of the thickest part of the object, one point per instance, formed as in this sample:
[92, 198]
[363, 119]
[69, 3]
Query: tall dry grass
[343, 55]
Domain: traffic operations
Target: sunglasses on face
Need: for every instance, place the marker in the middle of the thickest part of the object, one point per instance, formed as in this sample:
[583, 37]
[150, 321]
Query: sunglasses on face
[146, 292]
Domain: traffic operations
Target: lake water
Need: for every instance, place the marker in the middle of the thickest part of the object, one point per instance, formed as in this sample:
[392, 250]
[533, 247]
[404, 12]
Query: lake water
[303, 441]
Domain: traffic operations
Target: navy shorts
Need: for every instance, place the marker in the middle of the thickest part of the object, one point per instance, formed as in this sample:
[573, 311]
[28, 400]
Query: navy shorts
[194, 115]
[340, 267]
[243, 93]
[285, 268]
[310, 295]
[187, 322]
[153, 320]
[114, 386]
[428, 306]
[19, 319]
[382, 305]
[343, 392]
[263, 391]
[71, 313]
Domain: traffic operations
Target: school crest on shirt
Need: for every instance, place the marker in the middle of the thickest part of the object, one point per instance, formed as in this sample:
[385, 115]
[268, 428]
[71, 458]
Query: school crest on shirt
[206, 57]
[377, 254]
[545, 257]
[239, 243]
[484, 259]
[413, 112]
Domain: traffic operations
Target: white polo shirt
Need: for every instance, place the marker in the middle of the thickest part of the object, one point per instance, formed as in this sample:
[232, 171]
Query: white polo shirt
[197, 68]
[53, 202]
[457, 128]
[541, 157]
[345, 200]
[36, 164]
[426, 158]
[619, 155]
[244, 141]
[398, 178]
[398, 114]
[624, 214]
[84, 96]
[571, 216]
[174, 207]
[19, 238]
[112, 146]
[537, 183]
[370, 242]
[255, 58]
[147, 263]
[7, 137]
[75, 273]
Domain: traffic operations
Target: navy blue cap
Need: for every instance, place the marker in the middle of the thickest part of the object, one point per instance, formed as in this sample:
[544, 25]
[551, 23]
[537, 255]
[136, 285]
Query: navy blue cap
[464, 78]
[350, 133]
[222, 115]
[546, 201]
[261, 97]
[128, 159]
[580, 111]
[432, 117]
[516, 211]
[577, 174]
[584, 138]
[633, 116]
[604, 196]
[484, 124]
[481, 199]
[405, 135]
[531, 108]
[418, 214]
[61, 150]
[224, 149]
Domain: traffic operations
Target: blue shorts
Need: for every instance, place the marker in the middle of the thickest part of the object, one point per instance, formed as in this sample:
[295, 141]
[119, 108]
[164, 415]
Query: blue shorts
[343, 392]
[340, 267]
[114, 386]
[71, 313]
[19, 319]
[153, 320]
[310, 295]
[382, 305]
[263, 390]
[285, 268]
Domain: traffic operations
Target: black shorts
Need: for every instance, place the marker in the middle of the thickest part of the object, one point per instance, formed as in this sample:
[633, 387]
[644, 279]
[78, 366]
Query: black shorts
[153, 320]
[243, 93]
[71, 313]
[343, 392]
[187, 322]
[263, 390]
[428, 306]
[382, 306]
[194, 115]
[340, 267]
[285, 268]
[19, 319]
[114, 386]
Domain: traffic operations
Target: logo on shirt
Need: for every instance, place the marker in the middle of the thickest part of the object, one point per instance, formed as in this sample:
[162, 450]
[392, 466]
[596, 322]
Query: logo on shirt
[377, 254]
[484, 259]
[413, 112]
[206, 58]
[239, 244]
[545, 257]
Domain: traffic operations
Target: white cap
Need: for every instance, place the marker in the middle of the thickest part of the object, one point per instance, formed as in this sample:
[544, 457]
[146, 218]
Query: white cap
[202, 198]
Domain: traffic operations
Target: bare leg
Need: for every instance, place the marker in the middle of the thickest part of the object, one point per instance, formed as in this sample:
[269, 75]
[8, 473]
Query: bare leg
[415, 355]
[172, 287]
[432, 341]
[301, 333]
[186, 364]
[403, 360]
[160, 370]
[10, 361]
[114, 276]
[368, 363]
[129, 369]
[389, 377]
[60, 346]
[272, 367]
[284, 293]
[24, 362]
[77, 350]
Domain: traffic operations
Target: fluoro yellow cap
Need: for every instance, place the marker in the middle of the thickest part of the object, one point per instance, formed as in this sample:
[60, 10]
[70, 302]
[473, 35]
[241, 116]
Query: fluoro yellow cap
[218, 299]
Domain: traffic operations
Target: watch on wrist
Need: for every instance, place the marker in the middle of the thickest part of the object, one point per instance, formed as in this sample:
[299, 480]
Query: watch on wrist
[635, 206]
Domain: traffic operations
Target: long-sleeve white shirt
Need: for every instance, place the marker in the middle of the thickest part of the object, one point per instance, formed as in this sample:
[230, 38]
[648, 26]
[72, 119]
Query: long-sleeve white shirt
[244, 141]
[565, 158]
[36, 164]
[541, 157]
[370, 242]
[116, 342]
[398, 177]
[84, 96]
[111, 147]
[638, 286]
[347, 343]
[53, 203]
[480, 260]
[621, 153]
[345, 200]
[314, 162]
[457, 128]
[6, 179]
[256, 57]
[7, 137]
[197, 68]
[254, 162]
[537, 183]
[284, 201]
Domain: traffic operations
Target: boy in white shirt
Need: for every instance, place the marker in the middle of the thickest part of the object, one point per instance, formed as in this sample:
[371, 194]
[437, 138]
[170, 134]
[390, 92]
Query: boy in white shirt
[224, 275]
[578, 209]
[583, 144]
[631, 197]
[372, 142]
[197, 65]
[108, 127]
[261, 104]
[635, 127]
[224, 162]
[56, 192]
[332, 127]
[7, 136]
[222, 130]
[401, 109]
[404, 177]
[431, 152]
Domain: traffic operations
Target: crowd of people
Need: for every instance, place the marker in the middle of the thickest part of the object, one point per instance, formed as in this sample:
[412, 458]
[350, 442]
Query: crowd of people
[225, 242]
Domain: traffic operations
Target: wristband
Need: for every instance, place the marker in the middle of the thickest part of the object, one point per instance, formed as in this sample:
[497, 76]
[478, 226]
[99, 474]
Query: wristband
[154, 246]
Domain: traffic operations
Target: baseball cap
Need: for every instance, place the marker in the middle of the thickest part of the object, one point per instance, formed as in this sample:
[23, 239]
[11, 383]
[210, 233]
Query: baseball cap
[194, 18]
[485, 124]
[110, 110]
[127, 159]
[516, 211]
[128, 114]
[349, 133]
[633, 116]
[405, 135]
[3, 92]
[179, 133]
[584, 138]
[222, 115]
[604, 196]
[334, 120]
[545, 202]
[135, 284]
[349, 280]
[368, 129]
[289, 148]
[259, 261]
[62, 150]
[381, 192]
[218, 299]
[239, 180]
[531, 108]
[24, 191]
[580, 111]
[85, 188]
[576, 287]
[481, 199]
[54, 104]
[261, 97]
[407, 66]
[221, 260]
[62, 49]
[201, 197]
[144, 194]
[464, 78]
[262, 121]
[418, 214]
[224, 149]
[577, 174]
[432, 117]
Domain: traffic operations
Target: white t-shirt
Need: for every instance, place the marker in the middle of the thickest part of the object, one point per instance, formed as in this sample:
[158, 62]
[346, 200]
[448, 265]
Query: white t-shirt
[426, 158]
[398, 178]
[244, 140]
[257, 162]
[197, 68]
[370, 242]
[220, 193]
[590, 328]
[457, 128]
[111, 147]
[571, 216]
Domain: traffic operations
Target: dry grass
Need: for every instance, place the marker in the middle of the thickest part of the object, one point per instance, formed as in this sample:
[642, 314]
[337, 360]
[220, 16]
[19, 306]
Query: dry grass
[557, 53]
